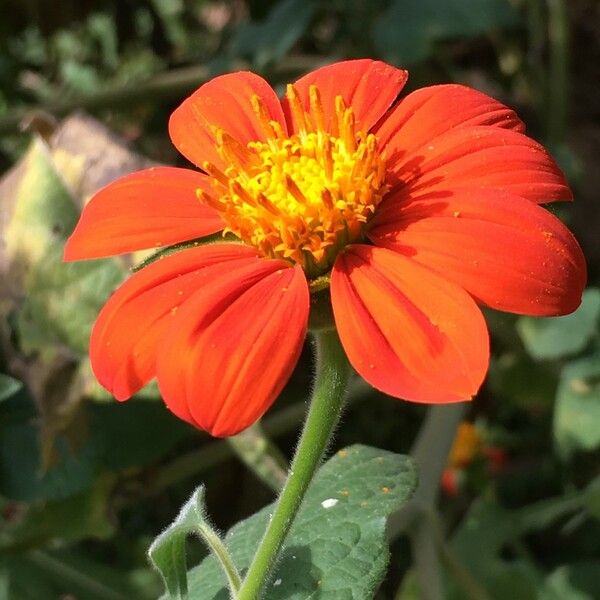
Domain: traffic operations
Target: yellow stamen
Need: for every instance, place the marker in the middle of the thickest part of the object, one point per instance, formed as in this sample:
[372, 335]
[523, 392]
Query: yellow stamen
[267, 204]
[298, 114]
[327, 199]
[215, 173]
[209, 200]
[294, 190]
[316, 108]
[242, 193]
[340, 111]
[260, 110]
[300, 197]
[348, 130]
[231, 151]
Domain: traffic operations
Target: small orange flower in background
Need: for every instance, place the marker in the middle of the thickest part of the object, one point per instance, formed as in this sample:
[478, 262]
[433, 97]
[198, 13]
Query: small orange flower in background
[469, 446]
[466, 446]
[413, 210]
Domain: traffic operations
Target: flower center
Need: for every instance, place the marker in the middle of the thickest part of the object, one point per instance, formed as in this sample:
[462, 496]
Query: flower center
[300, 197]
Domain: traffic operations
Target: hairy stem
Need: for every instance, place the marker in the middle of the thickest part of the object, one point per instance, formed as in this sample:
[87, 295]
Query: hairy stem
[218, 548]
[326, 404]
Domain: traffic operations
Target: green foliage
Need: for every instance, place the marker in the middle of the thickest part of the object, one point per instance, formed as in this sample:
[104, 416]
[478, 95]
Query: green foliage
[577, 411]
[577, 406]
[8, 386]
[118, 437]
[21, 473]
[79, 516]
[81, 59]
[407, 32]
[76, 522]
[55, 573]
[61, 301]
[268, 41]
[578, 581]
[167, 552]
[559, 337]
[43, 213]
[488, 531]
[337, 546]
[134, 434]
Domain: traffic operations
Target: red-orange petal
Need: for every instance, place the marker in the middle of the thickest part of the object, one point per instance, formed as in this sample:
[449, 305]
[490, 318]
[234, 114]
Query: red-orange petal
[368, 86]
[429, 112]
[506, 251]
[234, 345]
[137, 317]
[480, 156]
[408, 332]
[224, 102]
[147, 209]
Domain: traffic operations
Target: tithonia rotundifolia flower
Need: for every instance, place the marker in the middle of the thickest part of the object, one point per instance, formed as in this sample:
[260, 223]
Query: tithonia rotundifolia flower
[407, 213]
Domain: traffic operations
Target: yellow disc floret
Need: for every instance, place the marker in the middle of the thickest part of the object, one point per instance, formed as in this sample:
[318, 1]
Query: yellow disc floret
[300, 197]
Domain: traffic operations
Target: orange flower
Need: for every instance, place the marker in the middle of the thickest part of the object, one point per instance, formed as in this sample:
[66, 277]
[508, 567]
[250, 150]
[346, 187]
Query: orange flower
[466, 446]
[411, 211]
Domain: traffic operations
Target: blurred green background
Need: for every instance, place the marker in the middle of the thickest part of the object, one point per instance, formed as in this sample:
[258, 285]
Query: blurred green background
[86, 89]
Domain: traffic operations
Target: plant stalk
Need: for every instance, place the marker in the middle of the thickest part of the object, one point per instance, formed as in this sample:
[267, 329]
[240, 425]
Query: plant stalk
[328, 396]
[218, 548]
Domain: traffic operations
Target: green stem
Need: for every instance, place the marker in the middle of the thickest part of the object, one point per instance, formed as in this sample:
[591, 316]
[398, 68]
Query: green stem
[328, 397]
[218, 548]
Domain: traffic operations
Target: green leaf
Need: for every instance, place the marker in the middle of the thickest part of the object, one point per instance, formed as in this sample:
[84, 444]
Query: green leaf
[8, 386]
[63, 301]
[592, 498]
[267, 42]
[167, 552]
[121, 436]
[577, 411]
[82, 515]
[21, 474]
[61, 574]
[578, 581]
[488, 528]
[478, 544]
[43, 213]
[562, 336]
[407, 32]
[516, 378]
[337, 547]
[136, 433]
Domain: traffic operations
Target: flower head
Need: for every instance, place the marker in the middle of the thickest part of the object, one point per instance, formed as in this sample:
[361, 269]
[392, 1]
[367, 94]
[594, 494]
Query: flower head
[303, 195]
[412, 212]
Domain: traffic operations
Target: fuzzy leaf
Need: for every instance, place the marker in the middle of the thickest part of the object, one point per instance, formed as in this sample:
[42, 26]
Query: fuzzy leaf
[337, 548]
[167, 552]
